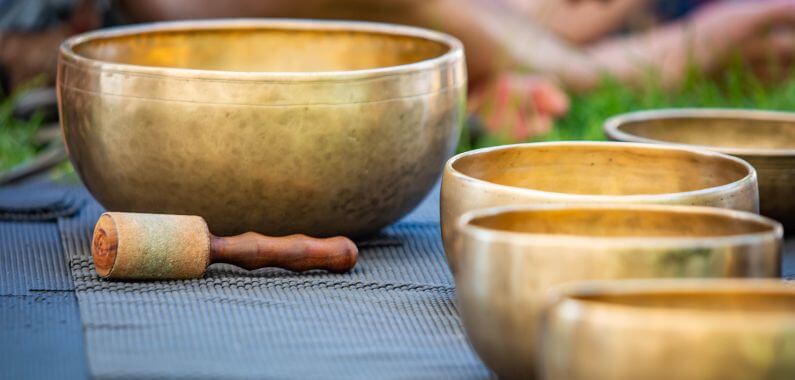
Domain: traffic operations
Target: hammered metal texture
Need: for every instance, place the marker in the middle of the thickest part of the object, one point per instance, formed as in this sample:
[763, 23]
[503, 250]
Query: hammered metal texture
[156, 121]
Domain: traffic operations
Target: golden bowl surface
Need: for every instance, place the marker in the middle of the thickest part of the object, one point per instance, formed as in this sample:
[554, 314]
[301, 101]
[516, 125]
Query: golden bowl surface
[765, 139]
[279, 127]
[591, 172]
[509, 257]
[661, 329]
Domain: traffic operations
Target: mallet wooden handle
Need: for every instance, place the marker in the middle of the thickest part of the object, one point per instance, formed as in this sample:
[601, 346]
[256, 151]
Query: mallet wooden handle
[132, 246]
[297, 253]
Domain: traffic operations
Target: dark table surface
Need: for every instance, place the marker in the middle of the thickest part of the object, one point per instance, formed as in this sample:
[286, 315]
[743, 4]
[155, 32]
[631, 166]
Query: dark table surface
[42, 334]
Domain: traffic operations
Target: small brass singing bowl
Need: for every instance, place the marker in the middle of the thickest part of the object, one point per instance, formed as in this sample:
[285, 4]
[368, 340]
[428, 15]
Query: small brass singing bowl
[509, 257]
[275, 126]
[662, 330]
[765, 139]
[591, 172]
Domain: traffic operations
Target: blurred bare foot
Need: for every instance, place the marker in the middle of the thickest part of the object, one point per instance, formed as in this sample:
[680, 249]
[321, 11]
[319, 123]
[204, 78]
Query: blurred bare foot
[520, 105]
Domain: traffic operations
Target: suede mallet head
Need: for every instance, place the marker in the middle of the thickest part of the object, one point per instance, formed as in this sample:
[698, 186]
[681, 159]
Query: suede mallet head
[135, 246]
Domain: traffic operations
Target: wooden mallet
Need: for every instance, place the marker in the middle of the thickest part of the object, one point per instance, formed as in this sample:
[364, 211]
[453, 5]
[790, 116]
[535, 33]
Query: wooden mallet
[132, 246]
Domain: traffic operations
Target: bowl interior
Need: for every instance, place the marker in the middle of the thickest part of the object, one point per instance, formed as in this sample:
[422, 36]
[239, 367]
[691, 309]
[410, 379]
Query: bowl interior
[262, 49]
[601, 169]
[608, 222]
[717, 132]
[704, 301]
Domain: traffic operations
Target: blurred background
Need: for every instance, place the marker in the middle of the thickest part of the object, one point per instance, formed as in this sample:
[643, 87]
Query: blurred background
[539, 69]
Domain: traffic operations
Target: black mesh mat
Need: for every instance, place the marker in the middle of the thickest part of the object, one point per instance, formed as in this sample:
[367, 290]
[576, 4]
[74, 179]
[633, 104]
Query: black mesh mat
[392, 317]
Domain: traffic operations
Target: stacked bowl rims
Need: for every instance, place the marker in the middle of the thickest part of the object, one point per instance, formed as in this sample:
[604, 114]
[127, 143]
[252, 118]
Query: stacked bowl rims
[591, 172]
[510, 257]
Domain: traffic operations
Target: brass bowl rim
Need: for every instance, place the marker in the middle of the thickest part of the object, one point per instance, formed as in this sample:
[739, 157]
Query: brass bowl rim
[675, 286]
[454, 53]
[775, 231]
[612, 127]
[637, 198]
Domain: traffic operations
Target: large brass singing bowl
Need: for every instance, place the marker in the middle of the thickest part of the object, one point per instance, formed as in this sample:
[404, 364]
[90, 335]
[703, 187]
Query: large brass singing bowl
[663, 330]
[511, 256]
[280, 127]
[591, 172]
[765, 139]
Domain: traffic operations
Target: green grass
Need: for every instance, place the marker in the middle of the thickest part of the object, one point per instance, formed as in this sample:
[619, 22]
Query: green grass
[734, 87]
[17, 137]
[588, 112]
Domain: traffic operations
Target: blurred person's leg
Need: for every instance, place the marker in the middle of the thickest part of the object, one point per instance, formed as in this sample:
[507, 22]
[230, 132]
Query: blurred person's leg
[577, 21]
[503, 44]
[497, 38]
[705, 41]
